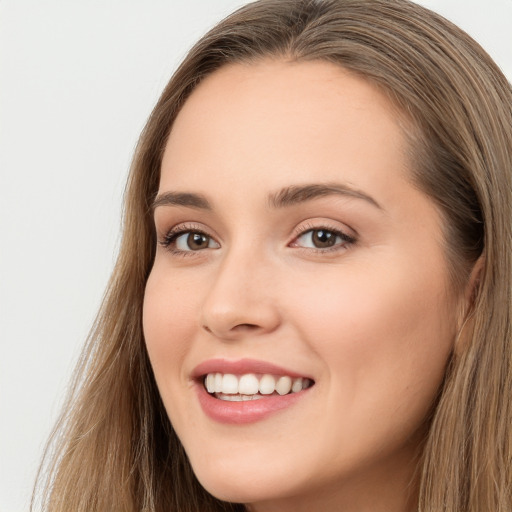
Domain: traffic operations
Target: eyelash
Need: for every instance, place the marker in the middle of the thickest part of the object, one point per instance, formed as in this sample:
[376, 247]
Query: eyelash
[347, 240]
[169, 240]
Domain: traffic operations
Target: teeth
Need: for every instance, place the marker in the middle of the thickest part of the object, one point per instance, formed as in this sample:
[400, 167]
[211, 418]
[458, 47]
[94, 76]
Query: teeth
[297, 385]
[229, 384]
[267, 385]
[251, 387]
[248, 384]
[237, 398]
[284, 385]
[210, 383]
[217, 383]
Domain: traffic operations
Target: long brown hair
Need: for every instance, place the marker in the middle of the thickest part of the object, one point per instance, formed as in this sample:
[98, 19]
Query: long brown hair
[114, 448]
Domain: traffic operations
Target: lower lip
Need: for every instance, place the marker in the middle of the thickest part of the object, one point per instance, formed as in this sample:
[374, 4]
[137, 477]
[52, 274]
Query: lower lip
[250, 411]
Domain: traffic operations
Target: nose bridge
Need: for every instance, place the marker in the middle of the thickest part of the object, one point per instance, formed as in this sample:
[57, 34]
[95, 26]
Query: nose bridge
[239, 298]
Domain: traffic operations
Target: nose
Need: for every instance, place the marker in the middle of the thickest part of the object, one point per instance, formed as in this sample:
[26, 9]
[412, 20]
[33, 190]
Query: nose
[239, 302]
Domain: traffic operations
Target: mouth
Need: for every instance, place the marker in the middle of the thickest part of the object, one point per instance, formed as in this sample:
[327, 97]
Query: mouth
[251, 386]
[246, 390]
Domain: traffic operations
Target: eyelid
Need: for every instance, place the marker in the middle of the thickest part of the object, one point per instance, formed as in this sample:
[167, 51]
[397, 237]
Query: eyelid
[320, 225]
[170, 236]
[328, 225]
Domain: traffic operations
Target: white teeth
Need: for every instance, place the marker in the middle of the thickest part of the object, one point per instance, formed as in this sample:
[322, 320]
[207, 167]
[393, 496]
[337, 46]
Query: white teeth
[229, 384]
[251, 387]
[237, 398]
[267, 385]
[284, 385]
[297, 385]
[246, 398]
[248, 384]
[210, 383]
[218, 383]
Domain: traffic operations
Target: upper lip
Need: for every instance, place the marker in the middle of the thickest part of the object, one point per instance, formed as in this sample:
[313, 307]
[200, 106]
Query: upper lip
[241, 367]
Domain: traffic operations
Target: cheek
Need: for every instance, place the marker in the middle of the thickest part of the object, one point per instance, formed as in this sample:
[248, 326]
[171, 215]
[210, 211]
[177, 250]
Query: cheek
[169, 315]
[385, 336]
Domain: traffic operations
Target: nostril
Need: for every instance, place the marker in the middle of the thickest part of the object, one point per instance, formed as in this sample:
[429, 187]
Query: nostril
[246, 327]
[239, 327]
[236, 330]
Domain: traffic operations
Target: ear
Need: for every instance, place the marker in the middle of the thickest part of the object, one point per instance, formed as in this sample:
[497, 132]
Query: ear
[467, 304]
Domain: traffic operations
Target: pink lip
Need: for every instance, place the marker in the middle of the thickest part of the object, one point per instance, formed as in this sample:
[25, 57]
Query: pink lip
[237, 413]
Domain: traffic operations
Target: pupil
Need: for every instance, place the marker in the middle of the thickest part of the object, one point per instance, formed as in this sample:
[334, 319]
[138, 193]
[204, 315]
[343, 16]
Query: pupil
[323, 238]
[197, 241]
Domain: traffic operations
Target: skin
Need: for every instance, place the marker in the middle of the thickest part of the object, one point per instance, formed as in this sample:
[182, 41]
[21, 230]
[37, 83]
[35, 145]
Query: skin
[372, 321]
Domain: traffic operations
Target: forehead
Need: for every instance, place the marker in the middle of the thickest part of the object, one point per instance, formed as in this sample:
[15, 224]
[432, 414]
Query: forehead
[278, 120]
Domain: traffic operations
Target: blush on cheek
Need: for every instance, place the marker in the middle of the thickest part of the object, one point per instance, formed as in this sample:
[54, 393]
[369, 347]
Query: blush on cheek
[388, 327]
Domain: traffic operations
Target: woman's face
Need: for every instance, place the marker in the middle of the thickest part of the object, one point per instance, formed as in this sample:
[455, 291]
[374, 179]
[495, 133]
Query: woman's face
[294, 251]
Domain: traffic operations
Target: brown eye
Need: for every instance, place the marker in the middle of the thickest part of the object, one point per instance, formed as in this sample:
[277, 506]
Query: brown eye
[189, 241]
[193, 241]
[322, 238]
[196, 241]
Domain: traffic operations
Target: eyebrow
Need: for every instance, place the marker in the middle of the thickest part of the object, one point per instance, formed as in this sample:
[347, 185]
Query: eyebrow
[181, 199]
[285, 197]
[301, 193]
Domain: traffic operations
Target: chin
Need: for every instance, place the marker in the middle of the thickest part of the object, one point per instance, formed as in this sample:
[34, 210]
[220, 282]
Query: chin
[236, 484]
[236, 490]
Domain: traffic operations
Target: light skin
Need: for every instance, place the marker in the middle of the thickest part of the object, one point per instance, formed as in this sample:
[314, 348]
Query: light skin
[371, 318]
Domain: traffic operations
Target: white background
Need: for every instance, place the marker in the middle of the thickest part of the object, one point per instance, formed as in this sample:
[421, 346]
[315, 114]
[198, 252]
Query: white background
[77, 81]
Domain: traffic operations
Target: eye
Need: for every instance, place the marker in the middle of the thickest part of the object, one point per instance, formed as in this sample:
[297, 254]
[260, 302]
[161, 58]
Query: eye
[188, 241]
[322, 238]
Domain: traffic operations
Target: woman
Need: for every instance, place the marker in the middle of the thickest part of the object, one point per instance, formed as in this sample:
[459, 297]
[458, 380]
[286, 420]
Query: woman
[311, 306]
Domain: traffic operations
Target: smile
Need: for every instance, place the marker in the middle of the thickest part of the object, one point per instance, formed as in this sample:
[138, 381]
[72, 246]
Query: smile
[237, 388]
[246, 390]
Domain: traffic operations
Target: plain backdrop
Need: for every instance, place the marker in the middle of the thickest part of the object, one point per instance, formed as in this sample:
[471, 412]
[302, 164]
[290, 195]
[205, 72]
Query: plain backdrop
[77, 80]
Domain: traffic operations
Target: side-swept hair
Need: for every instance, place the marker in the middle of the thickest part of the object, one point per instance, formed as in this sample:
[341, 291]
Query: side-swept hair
[114, 448]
